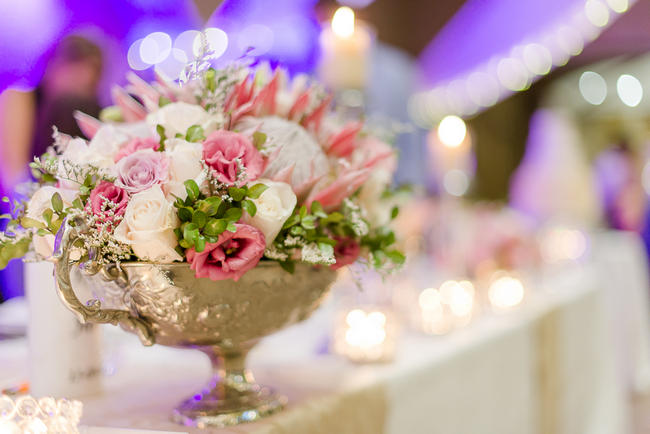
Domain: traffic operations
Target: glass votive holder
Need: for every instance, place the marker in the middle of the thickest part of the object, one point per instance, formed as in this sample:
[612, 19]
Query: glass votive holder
[47, 415]
[366, 334]
[505, 292]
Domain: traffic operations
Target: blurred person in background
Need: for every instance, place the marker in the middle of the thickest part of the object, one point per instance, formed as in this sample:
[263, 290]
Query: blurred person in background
[70, 83]
[618, 172]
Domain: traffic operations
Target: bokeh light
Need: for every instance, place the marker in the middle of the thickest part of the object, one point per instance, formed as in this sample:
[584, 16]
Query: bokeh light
[343, 22]
[593, 87]
[456, 182]
[629, 90]
[452, 131]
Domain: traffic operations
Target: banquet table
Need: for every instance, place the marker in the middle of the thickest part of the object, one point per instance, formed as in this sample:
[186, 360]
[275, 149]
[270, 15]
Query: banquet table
[565, 361]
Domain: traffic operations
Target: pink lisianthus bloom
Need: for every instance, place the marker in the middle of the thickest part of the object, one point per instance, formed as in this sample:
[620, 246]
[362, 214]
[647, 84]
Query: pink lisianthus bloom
[225, 151]
[142, 170]
[346, 251]
[107, 201]
[231, 256]
[136, 144]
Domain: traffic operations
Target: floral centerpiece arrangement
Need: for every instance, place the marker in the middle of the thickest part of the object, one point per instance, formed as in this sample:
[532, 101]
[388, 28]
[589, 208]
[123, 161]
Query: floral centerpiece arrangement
[231, 167]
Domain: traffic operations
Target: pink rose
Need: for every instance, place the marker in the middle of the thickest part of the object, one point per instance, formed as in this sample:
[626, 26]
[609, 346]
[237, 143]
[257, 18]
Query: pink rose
[221, 152]
[142, 170]
[231, 256]
[107, 201]
[136, 144]
[346, 252]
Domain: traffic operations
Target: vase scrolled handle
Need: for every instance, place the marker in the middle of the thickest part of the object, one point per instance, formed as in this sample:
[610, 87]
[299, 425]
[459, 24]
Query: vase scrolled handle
[92, 312]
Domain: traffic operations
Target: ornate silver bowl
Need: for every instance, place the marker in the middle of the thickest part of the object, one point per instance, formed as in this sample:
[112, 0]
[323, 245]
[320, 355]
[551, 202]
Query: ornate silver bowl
[166, 304]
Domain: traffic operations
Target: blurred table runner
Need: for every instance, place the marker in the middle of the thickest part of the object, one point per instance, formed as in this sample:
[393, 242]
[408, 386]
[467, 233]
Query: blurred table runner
[562, 363]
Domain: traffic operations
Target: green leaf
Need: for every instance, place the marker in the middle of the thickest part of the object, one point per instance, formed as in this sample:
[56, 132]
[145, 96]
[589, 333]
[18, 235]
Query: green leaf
[237, 193]
[83, 190]
[309, 222]
[231, 227]
[195, 133]
[161, 132]
[396, 256]
[317, 209]
[190, 232]
[27, 222]
[57, 203]
[210, 82]
[215, 227]
[394, 212]
[259, 138]
[199, 218]
[256, 191]
[327, 249]
[184, 214]
[291, 221]
[178, 136]
[297, 230]
[250, 207]
[5, 199]
[303, 212]
[184, 244]
[77, 204]
[335, 217]
[233, 215]
[192, 189]
[47, 216]
[199, 244]
[163, 101]
[288, 266]
[210, 205]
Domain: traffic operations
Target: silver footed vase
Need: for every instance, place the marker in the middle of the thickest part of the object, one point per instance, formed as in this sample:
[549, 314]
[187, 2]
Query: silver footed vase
[166, 304]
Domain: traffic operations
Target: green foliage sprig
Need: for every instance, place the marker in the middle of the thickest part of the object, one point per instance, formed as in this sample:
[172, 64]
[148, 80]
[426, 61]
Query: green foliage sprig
[203, 218]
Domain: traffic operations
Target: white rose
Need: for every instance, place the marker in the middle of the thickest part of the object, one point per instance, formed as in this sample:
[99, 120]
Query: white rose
[177, 117]
[184, 163]
[148, 227]
[376, 210]
[39, 202]
[274, 207]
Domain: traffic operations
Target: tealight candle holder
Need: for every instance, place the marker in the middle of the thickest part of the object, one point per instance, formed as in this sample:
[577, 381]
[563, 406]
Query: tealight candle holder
[46, 415]
[366, 335]
[505, 292]
[439, 311]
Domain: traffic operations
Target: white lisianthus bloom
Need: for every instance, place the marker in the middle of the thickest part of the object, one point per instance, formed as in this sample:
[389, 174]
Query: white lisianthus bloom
[274, 207]
[184, 163]
[104, 145]
[148, 227]
[177, 117]
[39, 202]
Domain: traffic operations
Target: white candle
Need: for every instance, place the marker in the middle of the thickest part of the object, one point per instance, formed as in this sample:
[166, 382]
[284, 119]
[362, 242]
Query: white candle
[345, 48]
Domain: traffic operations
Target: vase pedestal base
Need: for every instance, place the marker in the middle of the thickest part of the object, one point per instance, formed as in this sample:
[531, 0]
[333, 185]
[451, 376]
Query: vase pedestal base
[231, 398]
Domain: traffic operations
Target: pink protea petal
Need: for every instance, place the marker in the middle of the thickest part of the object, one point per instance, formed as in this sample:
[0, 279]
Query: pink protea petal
[343, 143]
[143, 90]
[131, 109]
[298, 108]
[241, 94]
[314, 119]
[305, 188]
[284, 175]
[332, 195]
[264, 103]
[87, 124]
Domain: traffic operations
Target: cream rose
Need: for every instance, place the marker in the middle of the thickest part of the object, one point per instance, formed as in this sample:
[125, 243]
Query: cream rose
[177, 117]
[148, 227]
[40, 201]
[274, 207]
[184, 163]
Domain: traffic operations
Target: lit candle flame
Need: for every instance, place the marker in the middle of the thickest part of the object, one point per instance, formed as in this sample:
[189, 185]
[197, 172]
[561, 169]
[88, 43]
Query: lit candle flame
[343, 22]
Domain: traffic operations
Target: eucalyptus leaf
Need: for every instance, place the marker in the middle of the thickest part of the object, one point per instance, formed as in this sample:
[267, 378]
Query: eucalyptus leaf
[199, 218]
[256, 191]
[192, 189]
[249, 207]
[57, 203]
[195, 133]
[231, 227]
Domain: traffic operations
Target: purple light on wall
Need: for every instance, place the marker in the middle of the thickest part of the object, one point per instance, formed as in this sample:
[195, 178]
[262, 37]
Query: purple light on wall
[284, 32]
[482, 29]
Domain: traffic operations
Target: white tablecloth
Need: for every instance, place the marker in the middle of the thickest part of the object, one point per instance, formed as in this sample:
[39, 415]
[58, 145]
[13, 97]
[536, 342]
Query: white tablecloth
[562, 363]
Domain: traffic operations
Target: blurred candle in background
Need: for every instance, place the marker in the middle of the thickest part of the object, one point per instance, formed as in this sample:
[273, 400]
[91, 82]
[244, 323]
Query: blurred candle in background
[346, 45]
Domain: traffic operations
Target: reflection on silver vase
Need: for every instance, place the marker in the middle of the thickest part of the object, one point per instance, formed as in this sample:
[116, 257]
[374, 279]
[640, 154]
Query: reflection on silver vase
[166, 304]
